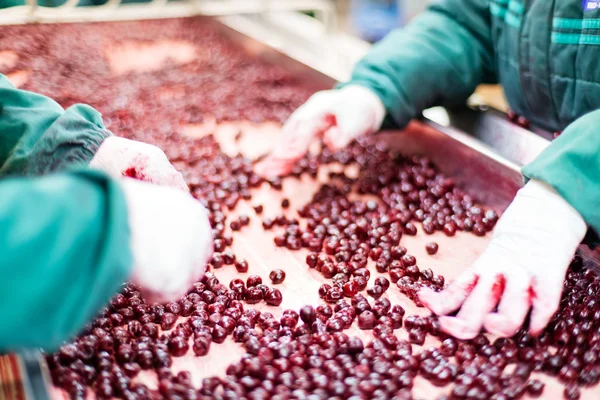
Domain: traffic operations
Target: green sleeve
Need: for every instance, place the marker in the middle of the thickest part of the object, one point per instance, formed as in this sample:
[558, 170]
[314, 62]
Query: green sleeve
[438, 59]
[64, 251]
[571, 165]
[38, 136]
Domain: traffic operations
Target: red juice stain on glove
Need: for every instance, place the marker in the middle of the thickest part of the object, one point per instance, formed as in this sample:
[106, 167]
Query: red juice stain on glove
[532, 294]
[498, 288]
[471, 285]
[133, 173]
[331, 120]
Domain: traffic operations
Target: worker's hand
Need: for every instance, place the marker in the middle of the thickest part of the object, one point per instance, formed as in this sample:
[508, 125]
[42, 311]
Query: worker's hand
[123, 157]
[340, 116]
[523, 267]
[171, 239]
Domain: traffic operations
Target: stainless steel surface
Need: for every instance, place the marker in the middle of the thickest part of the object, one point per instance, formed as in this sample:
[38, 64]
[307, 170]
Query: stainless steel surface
[492, 128]
[274, 48]
[303, 39]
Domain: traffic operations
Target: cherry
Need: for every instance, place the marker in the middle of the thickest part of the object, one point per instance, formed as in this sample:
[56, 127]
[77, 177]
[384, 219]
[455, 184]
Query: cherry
[572, 392]
[416, 336]
[333, 295]
[268, 223]
[355, 345]
[410, 229]
[201, 346]
[449, 347]
[235, 225]
[254, 295]
[361, 282]
[244, 220]
[366, 320]
[396, 274]
[535, 387]
[408, 260]
[241, 266]
[431, 248]
[219, 334]
[277, 276]
[216, 260]
[273, 297]
[280, 240]
[178, 346]
[253, 280]
[173, 307]
[375, 291]
[308, 314]
[350, 288]
[168, 321]
[311, 260]
[68, 353]
[383, 282]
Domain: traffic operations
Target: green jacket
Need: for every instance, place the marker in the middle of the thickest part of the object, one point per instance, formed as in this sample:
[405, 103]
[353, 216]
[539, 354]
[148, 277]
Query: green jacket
[64, 237]
[544, 54]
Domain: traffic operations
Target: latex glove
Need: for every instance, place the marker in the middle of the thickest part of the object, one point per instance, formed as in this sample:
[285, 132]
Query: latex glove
[171, 239]
[123, 157]
[340, 116]
[523, 268]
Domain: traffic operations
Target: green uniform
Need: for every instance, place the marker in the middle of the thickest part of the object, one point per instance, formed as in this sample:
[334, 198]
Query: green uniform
[64, 237]
[543, 52]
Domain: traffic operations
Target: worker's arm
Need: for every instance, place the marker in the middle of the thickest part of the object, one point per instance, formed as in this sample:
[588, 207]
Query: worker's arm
[67, 242]
[37, 136]
[571, 165]
[525, 264]
[64, 251]
[438, 59]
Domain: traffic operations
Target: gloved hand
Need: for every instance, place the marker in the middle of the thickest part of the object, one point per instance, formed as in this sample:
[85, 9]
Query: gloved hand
[340, 116]
[171, 239]
[523, 267]
[123, 157]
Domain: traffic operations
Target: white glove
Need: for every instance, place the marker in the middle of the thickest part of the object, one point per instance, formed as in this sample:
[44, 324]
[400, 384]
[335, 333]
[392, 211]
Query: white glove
[523, 267]
[123, 157]
[171, 239]
[340, 116]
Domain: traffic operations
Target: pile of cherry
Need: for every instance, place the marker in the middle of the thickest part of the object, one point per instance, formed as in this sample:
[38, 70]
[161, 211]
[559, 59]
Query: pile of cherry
[305, 353]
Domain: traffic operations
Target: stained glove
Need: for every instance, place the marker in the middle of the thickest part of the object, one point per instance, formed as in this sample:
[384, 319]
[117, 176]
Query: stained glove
[339, 116]
[171, 239]
[523, 268]
[123, 157]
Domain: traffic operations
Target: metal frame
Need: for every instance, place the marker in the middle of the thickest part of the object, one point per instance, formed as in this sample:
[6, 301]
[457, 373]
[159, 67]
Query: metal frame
[113, 10]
